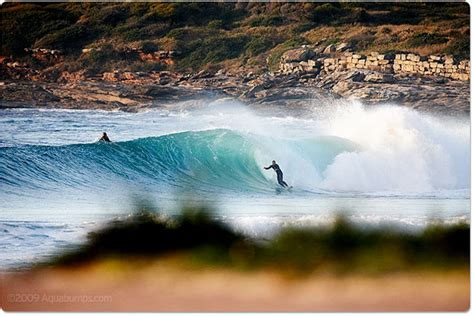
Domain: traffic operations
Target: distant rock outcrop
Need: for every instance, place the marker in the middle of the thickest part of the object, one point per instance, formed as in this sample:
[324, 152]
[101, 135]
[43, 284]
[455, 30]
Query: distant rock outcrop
[332, 59]
[300, 59]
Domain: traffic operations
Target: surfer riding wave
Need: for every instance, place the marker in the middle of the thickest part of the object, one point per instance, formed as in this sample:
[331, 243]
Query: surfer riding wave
[279, 173]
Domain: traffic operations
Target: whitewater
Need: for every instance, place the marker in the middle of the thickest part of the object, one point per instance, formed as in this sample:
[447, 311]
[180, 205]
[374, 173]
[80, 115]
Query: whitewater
[377, 165]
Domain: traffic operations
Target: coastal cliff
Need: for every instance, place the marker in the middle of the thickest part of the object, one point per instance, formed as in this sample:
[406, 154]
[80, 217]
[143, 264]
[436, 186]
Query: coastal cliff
[135, 56]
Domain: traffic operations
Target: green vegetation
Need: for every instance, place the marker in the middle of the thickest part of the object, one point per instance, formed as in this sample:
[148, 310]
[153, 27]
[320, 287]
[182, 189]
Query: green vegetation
[327, 13]
[148, 234]
[274, 20]
[421, 39]
[460, 47]
[261, 44]
[210, 34]
[211, 49]
[343, 247]
[277, 52]
[149, 47]
[103, 59]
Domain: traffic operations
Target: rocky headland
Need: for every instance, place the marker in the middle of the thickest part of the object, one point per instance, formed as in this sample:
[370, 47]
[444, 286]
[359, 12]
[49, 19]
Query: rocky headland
[137, 56]
[290, 88]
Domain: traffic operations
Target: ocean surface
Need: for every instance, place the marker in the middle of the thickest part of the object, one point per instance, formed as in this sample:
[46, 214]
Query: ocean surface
[378, 166]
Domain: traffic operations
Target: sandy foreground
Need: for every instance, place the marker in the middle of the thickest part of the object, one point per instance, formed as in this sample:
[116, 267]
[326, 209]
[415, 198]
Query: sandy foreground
[161, 287]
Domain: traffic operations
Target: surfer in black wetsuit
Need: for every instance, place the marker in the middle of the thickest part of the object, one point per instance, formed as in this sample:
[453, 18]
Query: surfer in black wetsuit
[104, 137]
[278, 172]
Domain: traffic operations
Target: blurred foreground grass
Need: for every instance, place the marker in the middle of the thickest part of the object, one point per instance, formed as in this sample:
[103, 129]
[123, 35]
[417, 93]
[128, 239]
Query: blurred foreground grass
[197, 239]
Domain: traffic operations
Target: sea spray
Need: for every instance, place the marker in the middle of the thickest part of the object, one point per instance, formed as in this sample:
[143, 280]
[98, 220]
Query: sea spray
[401, 150]
[342, 147]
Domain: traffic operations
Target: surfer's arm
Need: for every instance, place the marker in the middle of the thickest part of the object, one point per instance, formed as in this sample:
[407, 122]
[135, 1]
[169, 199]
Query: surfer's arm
[267, 168]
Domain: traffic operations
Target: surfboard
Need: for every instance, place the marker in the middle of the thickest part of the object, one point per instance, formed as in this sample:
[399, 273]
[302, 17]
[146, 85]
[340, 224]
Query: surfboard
[281, 189]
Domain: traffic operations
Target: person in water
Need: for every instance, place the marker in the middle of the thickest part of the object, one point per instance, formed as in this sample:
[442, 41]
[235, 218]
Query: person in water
[104, 137]
[279, 173]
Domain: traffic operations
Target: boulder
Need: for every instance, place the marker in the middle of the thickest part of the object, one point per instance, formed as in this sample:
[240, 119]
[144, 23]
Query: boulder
[111, 76]
[330, 49]
[342, 47]
[202, 74]
[449, 59]
[128, 76]
[379, 78]
[298, 55]
[72, 77]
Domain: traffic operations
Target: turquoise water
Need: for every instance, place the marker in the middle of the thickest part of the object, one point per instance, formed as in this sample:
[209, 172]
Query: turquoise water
[378, 166]
[217, 160]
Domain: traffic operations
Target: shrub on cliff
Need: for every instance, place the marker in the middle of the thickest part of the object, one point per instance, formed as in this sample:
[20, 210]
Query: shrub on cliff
[247, 28]
[108, 15]
[71, 38]
[213, 49]
[327, 13]
[216, 24]
[105, 58]
[22, 25]
[274, 20]
[422, 39]
[261, 44]
[149, 47]
[277, 52]
[459, 47]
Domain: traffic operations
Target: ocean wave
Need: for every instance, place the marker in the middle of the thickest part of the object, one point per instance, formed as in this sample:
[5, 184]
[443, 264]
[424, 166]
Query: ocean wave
[206, 160]
[340, 150]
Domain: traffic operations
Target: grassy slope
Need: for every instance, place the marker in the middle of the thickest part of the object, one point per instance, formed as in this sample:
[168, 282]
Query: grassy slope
[211, 35]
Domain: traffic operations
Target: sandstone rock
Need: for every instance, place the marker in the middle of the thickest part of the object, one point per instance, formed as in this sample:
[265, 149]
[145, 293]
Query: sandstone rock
[201, 74]
[111, 76]
[128, 76]
[354, 76]
[379, 78]
[342, 47]
[330, 49]
[448, 59]
[164, 80]
[72, 77]
[298, 55]
[413, 57]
